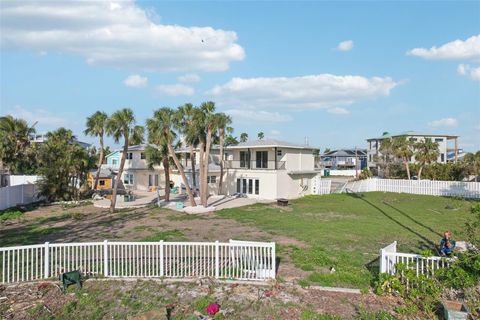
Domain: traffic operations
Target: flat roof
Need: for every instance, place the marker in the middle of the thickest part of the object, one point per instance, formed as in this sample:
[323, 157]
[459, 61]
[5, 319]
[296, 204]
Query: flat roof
[269, 143]
[412, 133]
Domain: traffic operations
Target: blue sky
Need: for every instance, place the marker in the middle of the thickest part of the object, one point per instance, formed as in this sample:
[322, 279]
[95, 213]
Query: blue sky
[335, 72]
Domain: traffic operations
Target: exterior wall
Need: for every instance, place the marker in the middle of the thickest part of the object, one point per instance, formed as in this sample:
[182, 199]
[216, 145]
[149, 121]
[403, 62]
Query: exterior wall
[107, 181]
[267, 180]
[140, 179]
[113, 157]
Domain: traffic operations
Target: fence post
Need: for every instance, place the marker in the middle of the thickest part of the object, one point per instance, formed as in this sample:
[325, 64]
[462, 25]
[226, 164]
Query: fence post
[161, 259]
[274, 261]
[46, 260]
[382, 261]
[217, 260]
[105, 258]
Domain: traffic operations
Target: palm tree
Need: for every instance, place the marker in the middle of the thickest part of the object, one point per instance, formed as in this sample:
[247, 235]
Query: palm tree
[222, 122]
[184, 117]
[96, 126]
[386, 154]
[402, 148]
[426, 153]
[473, 163]
[122, 125]
[14, 140]
[162, 124]
[261, 135]
[243, 137]
[206, 121]
[159, 155]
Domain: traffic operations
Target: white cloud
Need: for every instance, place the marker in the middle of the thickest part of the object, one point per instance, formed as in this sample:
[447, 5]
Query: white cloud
[43, 117]
[246, 116]
[346, 45]
[136, 81]
[338, 110]
[116, 33]
[324, 91]
[455, 50]
[189, 77]
[175, 90]
[446, 122]
[467, 70]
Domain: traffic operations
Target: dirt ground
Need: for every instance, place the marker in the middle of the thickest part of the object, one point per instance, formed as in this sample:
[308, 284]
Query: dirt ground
[55, 223]
[148, 300]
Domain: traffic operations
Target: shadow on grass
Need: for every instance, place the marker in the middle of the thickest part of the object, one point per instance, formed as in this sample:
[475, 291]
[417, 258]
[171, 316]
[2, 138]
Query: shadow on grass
[412, 219]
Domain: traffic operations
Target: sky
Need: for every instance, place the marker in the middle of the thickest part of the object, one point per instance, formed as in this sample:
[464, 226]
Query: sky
[335, 73]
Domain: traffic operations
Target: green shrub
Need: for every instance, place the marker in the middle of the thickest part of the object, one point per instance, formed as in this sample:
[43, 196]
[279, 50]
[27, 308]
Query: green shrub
[10, 214]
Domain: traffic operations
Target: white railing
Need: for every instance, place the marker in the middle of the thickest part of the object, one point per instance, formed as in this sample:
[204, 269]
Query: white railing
[390, 258]
[426, 187]
[236, 260]
[18, 195]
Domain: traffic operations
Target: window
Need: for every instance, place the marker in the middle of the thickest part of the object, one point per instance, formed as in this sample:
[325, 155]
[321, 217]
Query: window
[156, 180]
[211, 179]
[262, 159]
[250, 186]
[238, 186]
[279, 153]
[244, 159]
[128, 178]
[101, 182]
[370, 157]
[129, 155]
[142, 155]
[413, 139]
[244, 185]
[257, 186]
[438, 139]
[442, 157]
[114, 162]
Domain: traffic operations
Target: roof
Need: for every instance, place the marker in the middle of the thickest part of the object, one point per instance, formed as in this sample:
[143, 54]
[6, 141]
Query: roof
[105, 172]
[269, 143]
[136, 147]
[345, 153]
[411, 133]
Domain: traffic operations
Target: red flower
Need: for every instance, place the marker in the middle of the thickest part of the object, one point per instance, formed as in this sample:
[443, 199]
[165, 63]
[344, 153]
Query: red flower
[212, 309]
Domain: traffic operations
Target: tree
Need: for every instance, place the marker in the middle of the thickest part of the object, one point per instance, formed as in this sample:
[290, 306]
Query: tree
[243, 137]
[222, 123]
[122, 125]
[96, 126]
[230, 140]
[386, 155]
[426, 152]
[162, 124]
[63, 165]
[472, 161]
[159, 155]
[402, 148]
[261, 135]
[184, 118]
[14, 143]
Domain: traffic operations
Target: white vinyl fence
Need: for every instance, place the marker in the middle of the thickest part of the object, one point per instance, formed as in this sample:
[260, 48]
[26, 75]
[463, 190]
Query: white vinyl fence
[426, 187]
[15, 180]
[236, 260]
[18, 195]
[321, 186]
[389, 258]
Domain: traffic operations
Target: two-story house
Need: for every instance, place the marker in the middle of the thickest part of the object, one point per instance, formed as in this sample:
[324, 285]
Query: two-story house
[444, 141]
[344, 159]
[136, 174]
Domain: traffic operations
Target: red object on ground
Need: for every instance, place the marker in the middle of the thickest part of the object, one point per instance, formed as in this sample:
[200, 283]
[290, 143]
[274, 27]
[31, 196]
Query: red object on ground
[212, 309]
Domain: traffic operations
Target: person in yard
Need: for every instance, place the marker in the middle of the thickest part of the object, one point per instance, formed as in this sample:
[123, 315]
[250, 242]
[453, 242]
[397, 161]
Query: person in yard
[447, 244]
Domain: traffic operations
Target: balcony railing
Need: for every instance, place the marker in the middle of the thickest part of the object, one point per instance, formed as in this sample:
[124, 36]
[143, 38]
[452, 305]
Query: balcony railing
[255, 165]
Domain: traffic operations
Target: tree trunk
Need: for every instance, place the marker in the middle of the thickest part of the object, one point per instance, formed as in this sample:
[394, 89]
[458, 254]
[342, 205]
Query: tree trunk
[221, 133]
[166, 169]
[100, 161]
[119, 176]
[420, 172]
[201, 169]
[205, 165]
[192, 163]
[407, 167]
[182, 173]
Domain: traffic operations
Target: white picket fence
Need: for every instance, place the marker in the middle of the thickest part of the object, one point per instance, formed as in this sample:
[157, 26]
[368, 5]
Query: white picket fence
[389, 258]
[18, 195]
[236, 260]
[426, 187]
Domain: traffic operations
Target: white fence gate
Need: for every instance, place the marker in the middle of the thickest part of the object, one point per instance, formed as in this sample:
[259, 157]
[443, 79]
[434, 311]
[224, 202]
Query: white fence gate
[321, 186]
[235, 260]
[17, 195]
[389, 258]
[426, 187]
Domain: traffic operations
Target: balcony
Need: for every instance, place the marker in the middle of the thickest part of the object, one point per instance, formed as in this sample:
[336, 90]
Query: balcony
[255, 165]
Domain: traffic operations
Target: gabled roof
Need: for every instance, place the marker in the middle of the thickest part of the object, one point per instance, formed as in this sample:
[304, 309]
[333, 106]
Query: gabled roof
[269, 143]
[411, 133]
[345, 153]
[105, 172]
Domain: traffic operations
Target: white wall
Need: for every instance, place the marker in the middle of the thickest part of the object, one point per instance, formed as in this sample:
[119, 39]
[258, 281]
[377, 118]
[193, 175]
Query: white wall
[17, 195]
[17, 180]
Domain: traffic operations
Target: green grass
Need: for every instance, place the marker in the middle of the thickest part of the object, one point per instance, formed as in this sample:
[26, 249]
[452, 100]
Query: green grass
[169, 235]
[10, 214]
[346, 231]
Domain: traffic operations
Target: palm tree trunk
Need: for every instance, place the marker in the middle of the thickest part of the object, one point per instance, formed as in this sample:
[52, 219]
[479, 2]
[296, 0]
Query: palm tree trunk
[420, 172]
[205, 164]
[100, 161]
[192, 163]
[182, 173]
[201, 168]
[221, 133]
[119, 176]
[407, 167]
[166, 168]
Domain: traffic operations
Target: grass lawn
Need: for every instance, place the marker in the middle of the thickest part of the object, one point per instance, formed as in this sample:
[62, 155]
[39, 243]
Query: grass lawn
[346, 231]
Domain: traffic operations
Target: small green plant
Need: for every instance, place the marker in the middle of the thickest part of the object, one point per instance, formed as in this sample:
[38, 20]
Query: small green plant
[10, 214]
[202, 303]
[304, 283]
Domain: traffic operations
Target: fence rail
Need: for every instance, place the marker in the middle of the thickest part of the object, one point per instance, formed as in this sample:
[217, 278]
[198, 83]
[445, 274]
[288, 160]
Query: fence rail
[237, 260]
[390, 258]
[426, 187]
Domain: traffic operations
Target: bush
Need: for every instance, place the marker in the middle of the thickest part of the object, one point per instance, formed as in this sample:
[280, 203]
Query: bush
[9, 214]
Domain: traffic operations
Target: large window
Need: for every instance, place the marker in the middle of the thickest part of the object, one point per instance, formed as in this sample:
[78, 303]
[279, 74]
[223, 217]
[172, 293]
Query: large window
[211, 179]
[438, 139]
[442, 157]
[248, 186]
[128, 178]
[129, 155]
[244, 159]
[262, 159]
